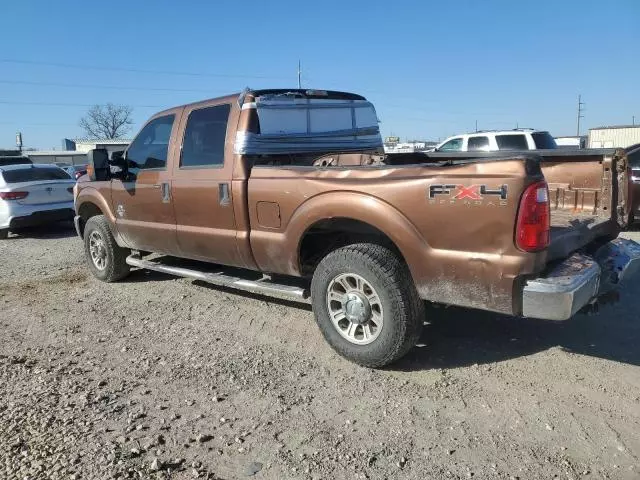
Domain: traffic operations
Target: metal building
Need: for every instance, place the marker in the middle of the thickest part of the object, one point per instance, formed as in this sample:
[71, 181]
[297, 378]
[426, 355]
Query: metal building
[614, 136]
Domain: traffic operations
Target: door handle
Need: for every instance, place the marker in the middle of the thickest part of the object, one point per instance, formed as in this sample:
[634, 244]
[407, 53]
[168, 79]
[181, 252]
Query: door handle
[224, 198]
[157, 185]
[166, 192]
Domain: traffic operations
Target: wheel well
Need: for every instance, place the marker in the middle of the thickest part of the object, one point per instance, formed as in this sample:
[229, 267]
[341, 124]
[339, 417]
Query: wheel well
[328, 235]
[86, 211]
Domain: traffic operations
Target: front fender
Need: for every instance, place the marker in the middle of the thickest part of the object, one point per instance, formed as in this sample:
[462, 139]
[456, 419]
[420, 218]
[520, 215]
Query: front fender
[92, 196]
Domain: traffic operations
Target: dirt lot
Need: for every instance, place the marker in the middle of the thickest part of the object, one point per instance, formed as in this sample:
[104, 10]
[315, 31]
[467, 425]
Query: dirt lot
[157, 377]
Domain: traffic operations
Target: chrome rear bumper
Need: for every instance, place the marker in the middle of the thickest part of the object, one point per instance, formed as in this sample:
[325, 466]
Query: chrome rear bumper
[574, 283]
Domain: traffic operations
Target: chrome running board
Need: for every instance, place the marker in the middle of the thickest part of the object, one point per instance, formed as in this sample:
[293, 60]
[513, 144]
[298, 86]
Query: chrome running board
[263, 286]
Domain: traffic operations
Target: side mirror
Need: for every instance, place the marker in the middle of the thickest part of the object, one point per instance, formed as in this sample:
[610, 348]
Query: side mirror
[117, 157]
[98, 169]
[118, 165]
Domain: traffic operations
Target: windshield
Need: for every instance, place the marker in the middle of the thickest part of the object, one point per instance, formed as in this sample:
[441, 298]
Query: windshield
[544, 141]
[35, 174]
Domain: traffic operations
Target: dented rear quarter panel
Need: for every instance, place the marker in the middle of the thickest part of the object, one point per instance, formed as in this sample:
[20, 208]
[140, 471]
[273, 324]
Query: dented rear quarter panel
[459, 250]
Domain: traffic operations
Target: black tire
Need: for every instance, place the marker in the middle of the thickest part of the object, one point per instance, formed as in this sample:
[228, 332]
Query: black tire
[402, 308]
[115, 265]
[4, 233]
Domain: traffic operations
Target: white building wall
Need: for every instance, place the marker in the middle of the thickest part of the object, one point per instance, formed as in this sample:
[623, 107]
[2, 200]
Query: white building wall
[620, 137]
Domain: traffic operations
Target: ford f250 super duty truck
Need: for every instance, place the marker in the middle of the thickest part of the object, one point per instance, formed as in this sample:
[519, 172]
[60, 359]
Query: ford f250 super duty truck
[288, 193]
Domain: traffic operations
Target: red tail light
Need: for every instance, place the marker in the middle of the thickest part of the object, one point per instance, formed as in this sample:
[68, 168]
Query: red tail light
[533, 226]
[13, 195]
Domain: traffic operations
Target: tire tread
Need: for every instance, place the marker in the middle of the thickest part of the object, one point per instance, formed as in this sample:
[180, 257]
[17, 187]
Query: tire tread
[408, 307]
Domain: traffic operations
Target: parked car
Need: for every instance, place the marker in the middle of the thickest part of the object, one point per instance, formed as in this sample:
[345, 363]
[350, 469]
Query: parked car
[76, 171]
[14, 160]
[499, 140]
[33, 195]
[289, 188]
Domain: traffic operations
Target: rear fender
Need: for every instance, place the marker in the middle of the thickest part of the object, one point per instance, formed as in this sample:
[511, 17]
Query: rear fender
[354, 206]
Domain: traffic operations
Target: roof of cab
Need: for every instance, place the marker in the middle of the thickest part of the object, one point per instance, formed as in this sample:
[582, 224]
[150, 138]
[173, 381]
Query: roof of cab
[305, 92]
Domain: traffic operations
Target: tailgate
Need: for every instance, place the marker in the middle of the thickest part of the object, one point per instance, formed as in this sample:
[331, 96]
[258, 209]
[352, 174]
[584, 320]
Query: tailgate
[588, 197]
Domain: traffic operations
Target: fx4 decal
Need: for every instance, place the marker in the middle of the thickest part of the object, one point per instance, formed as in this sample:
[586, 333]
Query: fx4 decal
[472, 194]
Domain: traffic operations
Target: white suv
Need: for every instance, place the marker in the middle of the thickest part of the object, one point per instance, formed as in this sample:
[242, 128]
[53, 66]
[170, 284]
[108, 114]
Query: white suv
[496, 140]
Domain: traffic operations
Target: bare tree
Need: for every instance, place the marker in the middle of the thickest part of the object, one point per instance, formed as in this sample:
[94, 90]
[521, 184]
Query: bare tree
[107, 121]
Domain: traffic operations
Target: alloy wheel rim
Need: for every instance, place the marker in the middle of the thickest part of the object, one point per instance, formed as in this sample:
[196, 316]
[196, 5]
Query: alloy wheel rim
[355, 308]
[98, 250]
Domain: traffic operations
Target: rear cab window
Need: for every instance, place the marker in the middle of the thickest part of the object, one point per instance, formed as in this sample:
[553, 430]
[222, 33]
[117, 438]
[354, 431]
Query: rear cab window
[512, 142]
[34, 174]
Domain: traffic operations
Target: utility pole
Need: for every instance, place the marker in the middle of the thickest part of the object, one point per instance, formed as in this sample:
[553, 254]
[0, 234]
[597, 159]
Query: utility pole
[476, 126]
[633, 120]
[580, 110]
[299, 73]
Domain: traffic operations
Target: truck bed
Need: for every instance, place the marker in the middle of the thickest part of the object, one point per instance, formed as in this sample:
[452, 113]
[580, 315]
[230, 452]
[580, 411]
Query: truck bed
[587, 190]
[572, 230]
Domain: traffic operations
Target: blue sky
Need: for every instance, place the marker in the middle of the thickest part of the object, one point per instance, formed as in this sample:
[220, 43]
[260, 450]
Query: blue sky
[431, 68]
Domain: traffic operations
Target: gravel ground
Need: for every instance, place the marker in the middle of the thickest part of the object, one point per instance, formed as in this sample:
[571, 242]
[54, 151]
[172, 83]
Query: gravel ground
[157, 377]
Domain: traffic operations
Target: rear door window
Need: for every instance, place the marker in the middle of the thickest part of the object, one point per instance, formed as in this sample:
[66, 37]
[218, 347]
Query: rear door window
[478, 144]
[35, 174]
[453, 145]
[512, 142]
[204, 137]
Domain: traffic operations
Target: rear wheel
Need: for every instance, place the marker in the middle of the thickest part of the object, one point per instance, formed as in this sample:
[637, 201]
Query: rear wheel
[4, 233]
[106, 260]
[366, 305]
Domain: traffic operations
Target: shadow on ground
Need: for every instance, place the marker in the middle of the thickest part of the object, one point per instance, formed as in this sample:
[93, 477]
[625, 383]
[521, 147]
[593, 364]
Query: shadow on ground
[54, 230]
[456, 337]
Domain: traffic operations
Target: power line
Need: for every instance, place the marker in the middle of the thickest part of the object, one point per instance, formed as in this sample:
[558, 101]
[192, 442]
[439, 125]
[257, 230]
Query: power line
[137, 70]
[111, 87]
[56, 104]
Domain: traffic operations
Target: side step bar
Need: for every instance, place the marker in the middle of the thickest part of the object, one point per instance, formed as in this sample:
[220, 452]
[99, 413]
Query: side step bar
[263, 286]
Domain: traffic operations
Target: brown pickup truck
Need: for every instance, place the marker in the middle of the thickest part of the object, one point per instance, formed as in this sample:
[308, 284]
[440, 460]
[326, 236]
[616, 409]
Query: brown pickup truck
[288, 193]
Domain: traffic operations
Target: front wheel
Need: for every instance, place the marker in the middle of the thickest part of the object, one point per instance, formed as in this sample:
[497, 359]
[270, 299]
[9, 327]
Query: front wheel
[106, 260]
[366, 305]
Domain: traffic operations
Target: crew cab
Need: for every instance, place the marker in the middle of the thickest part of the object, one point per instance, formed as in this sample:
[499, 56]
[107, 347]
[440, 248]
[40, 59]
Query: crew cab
[499, 140]
[289, 193]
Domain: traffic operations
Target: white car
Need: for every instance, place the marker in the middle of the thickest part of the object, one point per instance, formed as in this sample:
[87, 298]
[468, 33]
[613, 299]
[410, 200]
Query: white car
[34, 195]
[499, 140]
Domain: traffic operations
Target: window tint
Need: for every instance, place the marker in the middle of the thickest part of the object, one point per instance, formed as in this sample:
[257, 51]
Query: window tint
[14, 161]
[544, 140]
[35, 174]
[453, 145]
[512, 142]
[204, 137]
[478, 144]
[150, 147]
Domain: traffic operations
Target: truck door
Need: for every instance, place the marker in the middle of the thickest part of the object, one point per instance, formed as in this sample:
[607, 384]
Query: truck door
[201, 185]
[142, 202]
